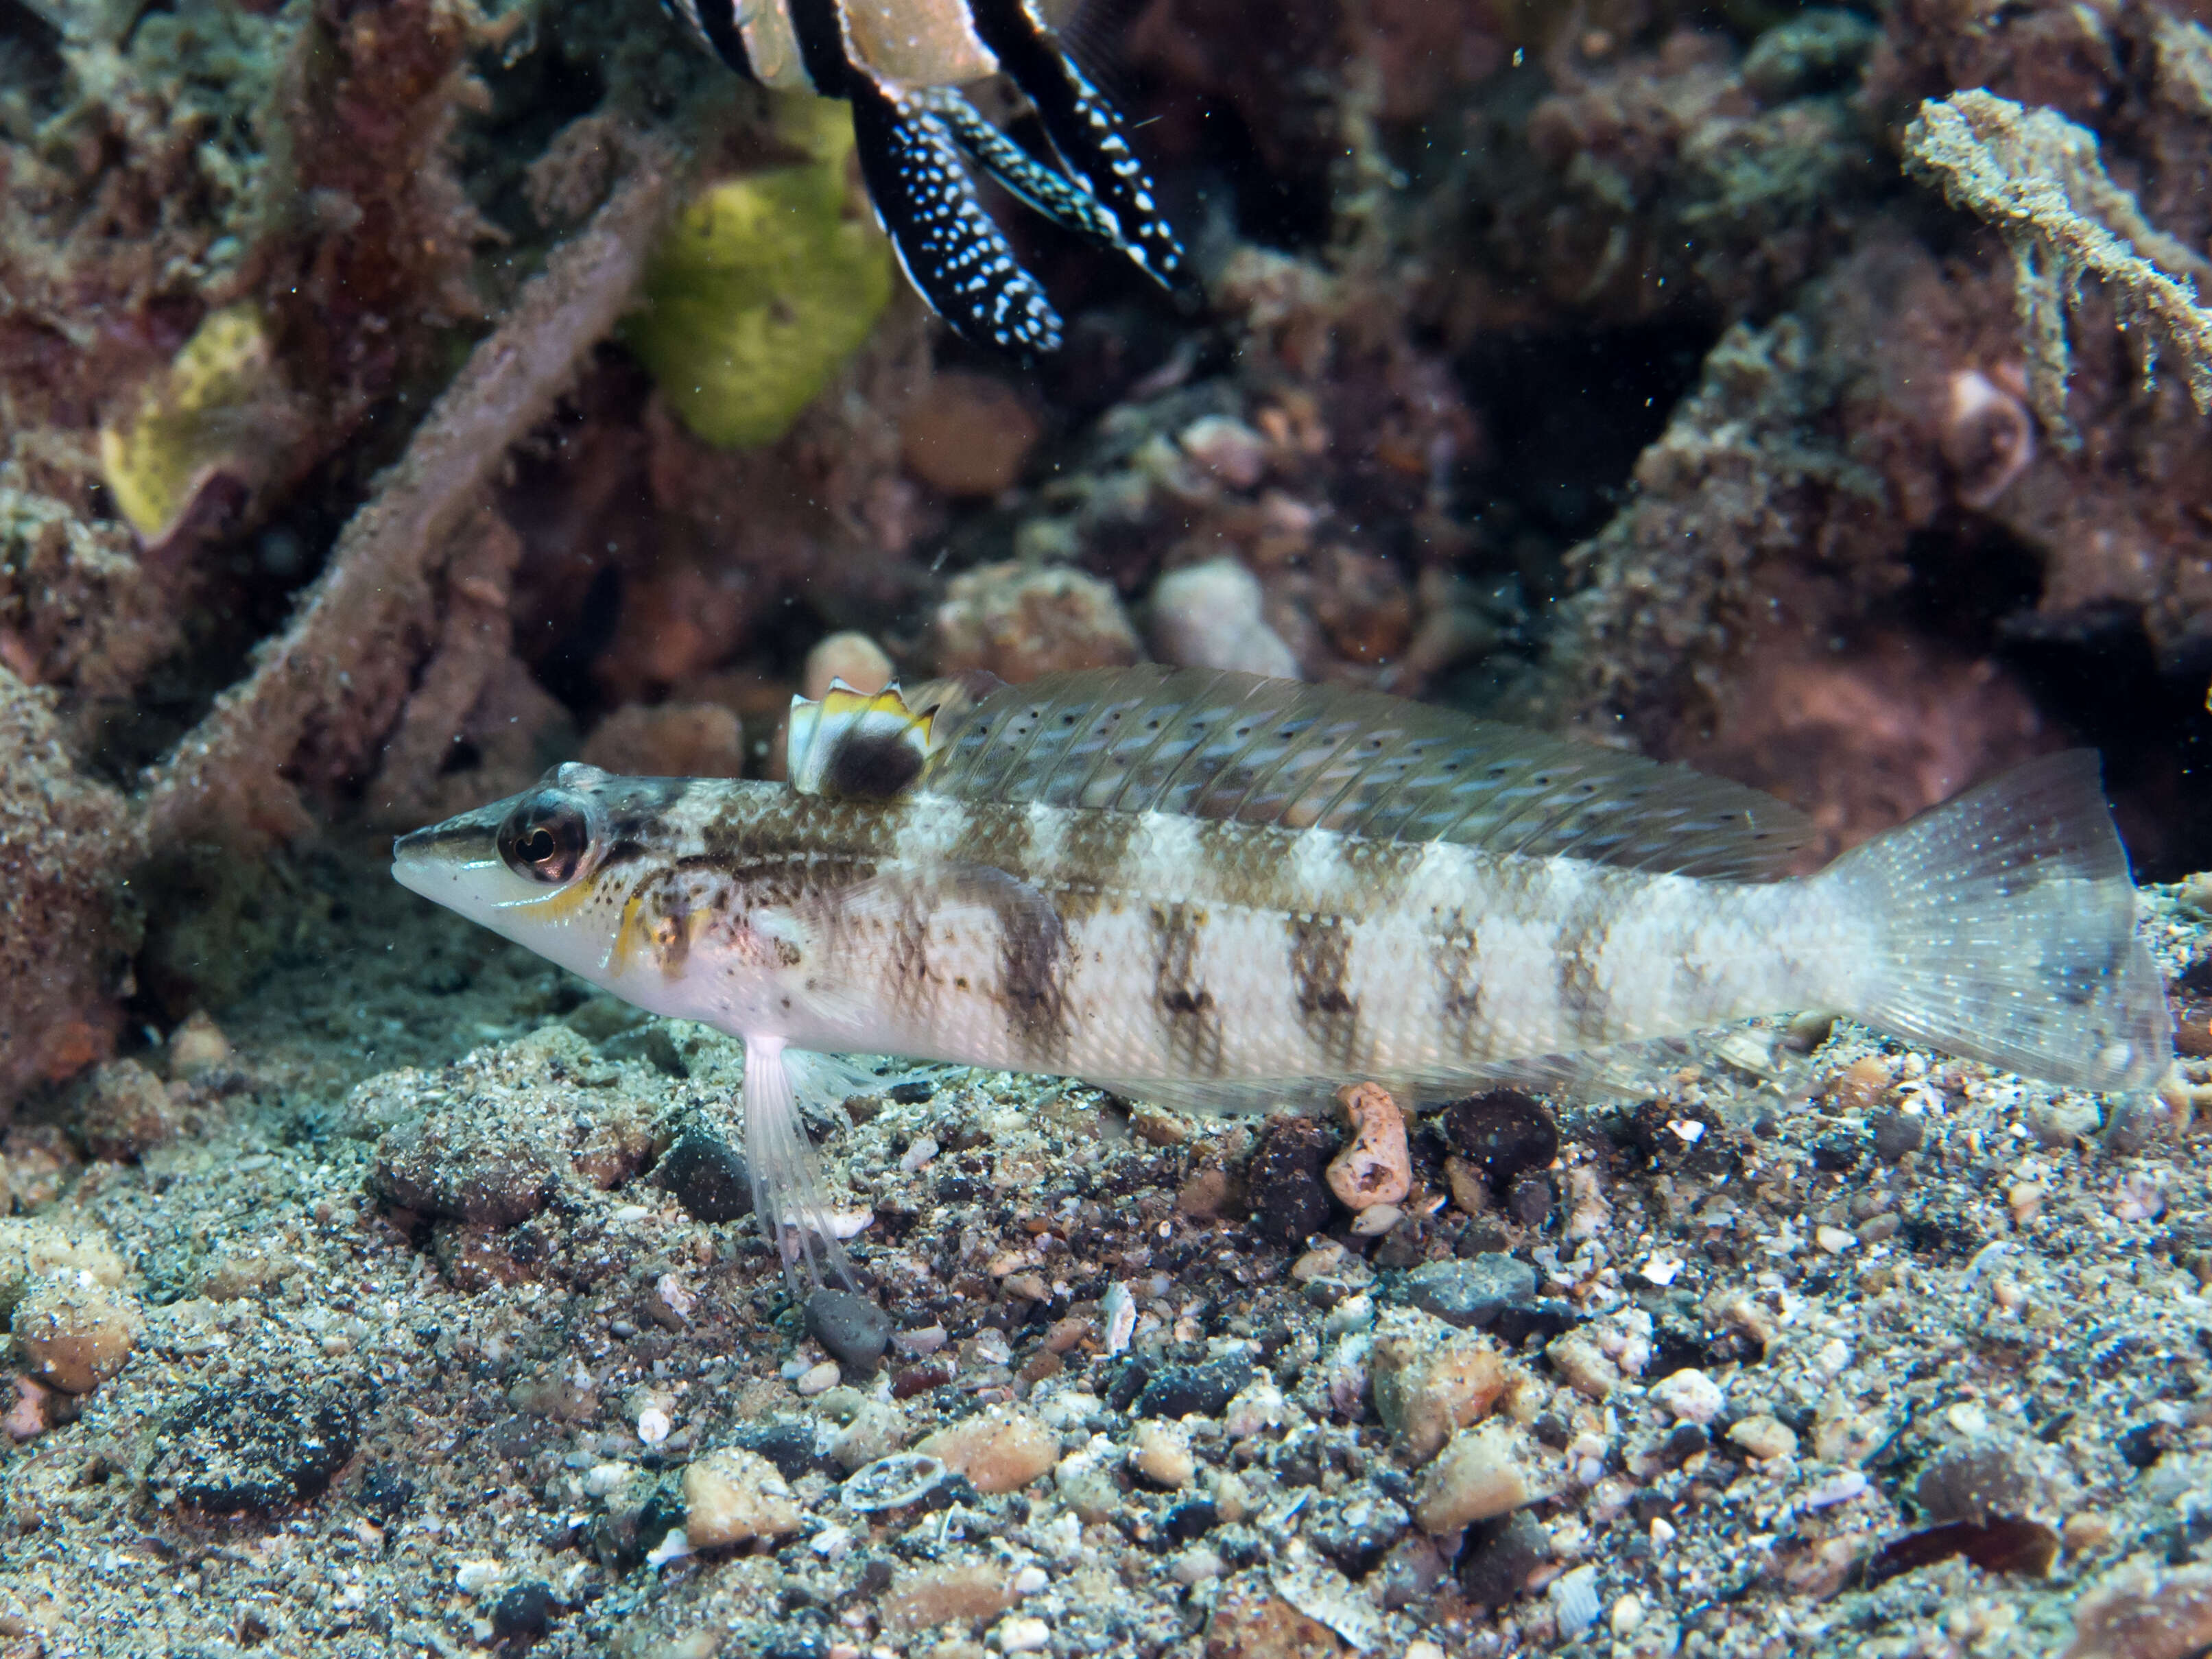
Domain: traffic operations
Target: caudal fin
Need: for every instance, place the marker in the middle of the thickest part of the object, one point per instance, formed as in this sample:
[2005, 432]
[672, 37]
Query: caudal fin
[2009, 931]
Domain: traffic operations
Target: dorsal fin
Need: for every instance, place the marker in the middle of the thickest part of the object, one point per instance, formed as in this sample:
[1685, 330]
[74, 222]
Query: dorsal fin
[852, 743]
[1217, 745]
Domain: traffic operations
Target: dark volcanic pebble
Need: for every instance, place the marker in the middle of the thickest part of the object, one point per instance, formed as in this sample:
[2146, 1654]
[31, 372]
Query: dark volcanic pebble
[1498, 1557]
[1839, 1151]
[446, 1165]
[1896, 1134]
[1355, 1532]
[1531, 1199]
[1503, 1132]
[1180, 1390]
[851, 1328]
[252, 1448]
[523, 1611]
[1193, 1519]
[1283, 1184]
[786, 1442]
[1474, 1291]
[705, 1175]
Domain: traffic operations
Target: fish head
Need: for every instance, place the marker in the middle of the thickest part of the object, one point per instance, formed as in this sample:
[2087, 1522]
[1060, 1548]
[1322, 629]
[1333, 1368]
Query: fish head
[550, 868]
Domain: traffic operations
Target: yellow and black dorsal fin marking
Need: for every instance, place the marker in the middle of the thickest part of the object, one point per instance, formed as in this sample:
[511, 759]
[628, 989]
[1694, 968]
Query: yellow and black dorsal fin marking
[1085, 128]
[856, 745]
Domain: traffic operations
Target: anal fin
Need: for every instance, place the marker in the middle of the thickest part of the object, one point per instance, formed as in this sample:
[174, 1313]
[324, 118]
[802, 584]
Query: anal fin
[951, 250]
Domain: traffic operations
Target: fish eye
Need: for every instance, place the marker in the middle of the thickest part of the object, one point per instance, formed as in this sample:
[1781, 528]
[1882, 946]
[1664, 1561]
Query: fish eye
[546, 838]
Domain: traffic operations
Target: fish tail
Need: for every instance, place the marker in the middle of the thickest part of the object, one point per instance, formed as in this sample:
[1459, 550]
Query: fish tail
[2005, 931]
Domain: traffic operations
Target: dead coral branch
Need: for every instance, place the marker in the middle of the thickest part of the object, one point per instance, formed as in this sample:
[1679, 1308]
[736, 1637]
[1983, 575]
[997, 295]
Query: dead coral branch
[2036, 178]
[224, 778]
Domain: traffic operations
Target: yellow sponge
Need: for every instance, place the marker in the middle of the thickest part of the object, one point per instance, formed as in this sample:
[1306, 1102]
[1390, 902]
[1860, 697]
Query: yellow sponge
[762, 287]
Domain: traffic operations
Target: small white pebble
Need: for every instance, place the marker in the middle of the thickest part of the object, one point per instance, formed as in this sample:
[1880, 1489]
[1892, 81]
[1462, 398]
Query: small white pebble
[1689, 1396]
[1833, 1357]
[832, 1543]
[1030, 1580]
[653, 1425]
[1834, 1240]
[674, 1547]
[818, 1379]
[1021, 1634]
[1839, 1489]
[1627, 1614]
[475, 1577]
[1661, 1269]
[917, 1156]
[676, 1295]
[603, 1478]
[1377, 1219]
[1424, 1650]
[1688, 1129]
[628, 1213]
[1119, 1310]
[851, 1224]
[1195, 1565]
[1661, 1535]
[913, 1344]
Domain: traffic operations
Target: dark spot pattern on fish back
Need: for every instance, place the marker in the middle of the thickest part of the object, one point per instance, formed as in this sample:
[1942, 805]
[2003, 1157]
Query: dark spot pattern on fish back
[1222, 745]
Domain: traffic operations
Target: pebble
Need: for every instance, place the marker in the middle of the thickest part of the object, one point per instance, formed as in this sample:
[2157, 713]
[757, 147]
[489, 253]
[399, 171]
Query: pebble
[669, 741]
[1375, 1168]
[733, 1496]
[1213, 615]
[1471, 1292]
[123, 1110]
[1254, 1410]
[851, 1326]
[967, 433]
[1226, 448]
[848, 656]
[197, 1047]
[818, 1379]
[705, 1175]
[1689, 1396]
[1896, 1134]
[1487, 1471]
[1764, 1437]
[524, 1611]
[1194, 1390]
[1160, 1451]
[1020, 621]
[1574, 1600]
[453, 1165]
[1000, 1448]
[1196, 1564]
[1022, 1633]
[1430, 1380]
[1377, 1219]
[253, 1446]
[1583, 1365]
[75, 1331]
[1496, 1565]
[1504, 1134]
[1282, 1183]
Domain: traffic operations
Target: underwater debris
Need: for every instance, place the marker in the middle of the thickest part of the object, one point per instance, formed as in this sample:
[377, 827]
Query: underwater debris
[762, 287]
[224, 777]
[2036, 177]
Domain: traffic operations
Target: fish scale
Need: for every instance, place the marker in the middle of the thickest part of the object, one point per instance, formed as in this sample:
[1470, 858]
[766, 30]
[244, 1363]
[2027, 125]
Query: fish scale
[1220, 891]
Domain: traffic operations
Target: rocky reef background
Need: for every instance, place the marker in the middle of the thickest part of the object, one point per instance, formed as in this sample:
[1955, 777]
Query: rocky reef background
[399, 395]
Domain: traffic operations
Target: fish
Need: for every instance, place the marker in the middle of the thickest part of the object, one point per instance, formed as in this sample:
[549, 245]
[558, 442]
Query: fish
[1223, 892]
[902, 65]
